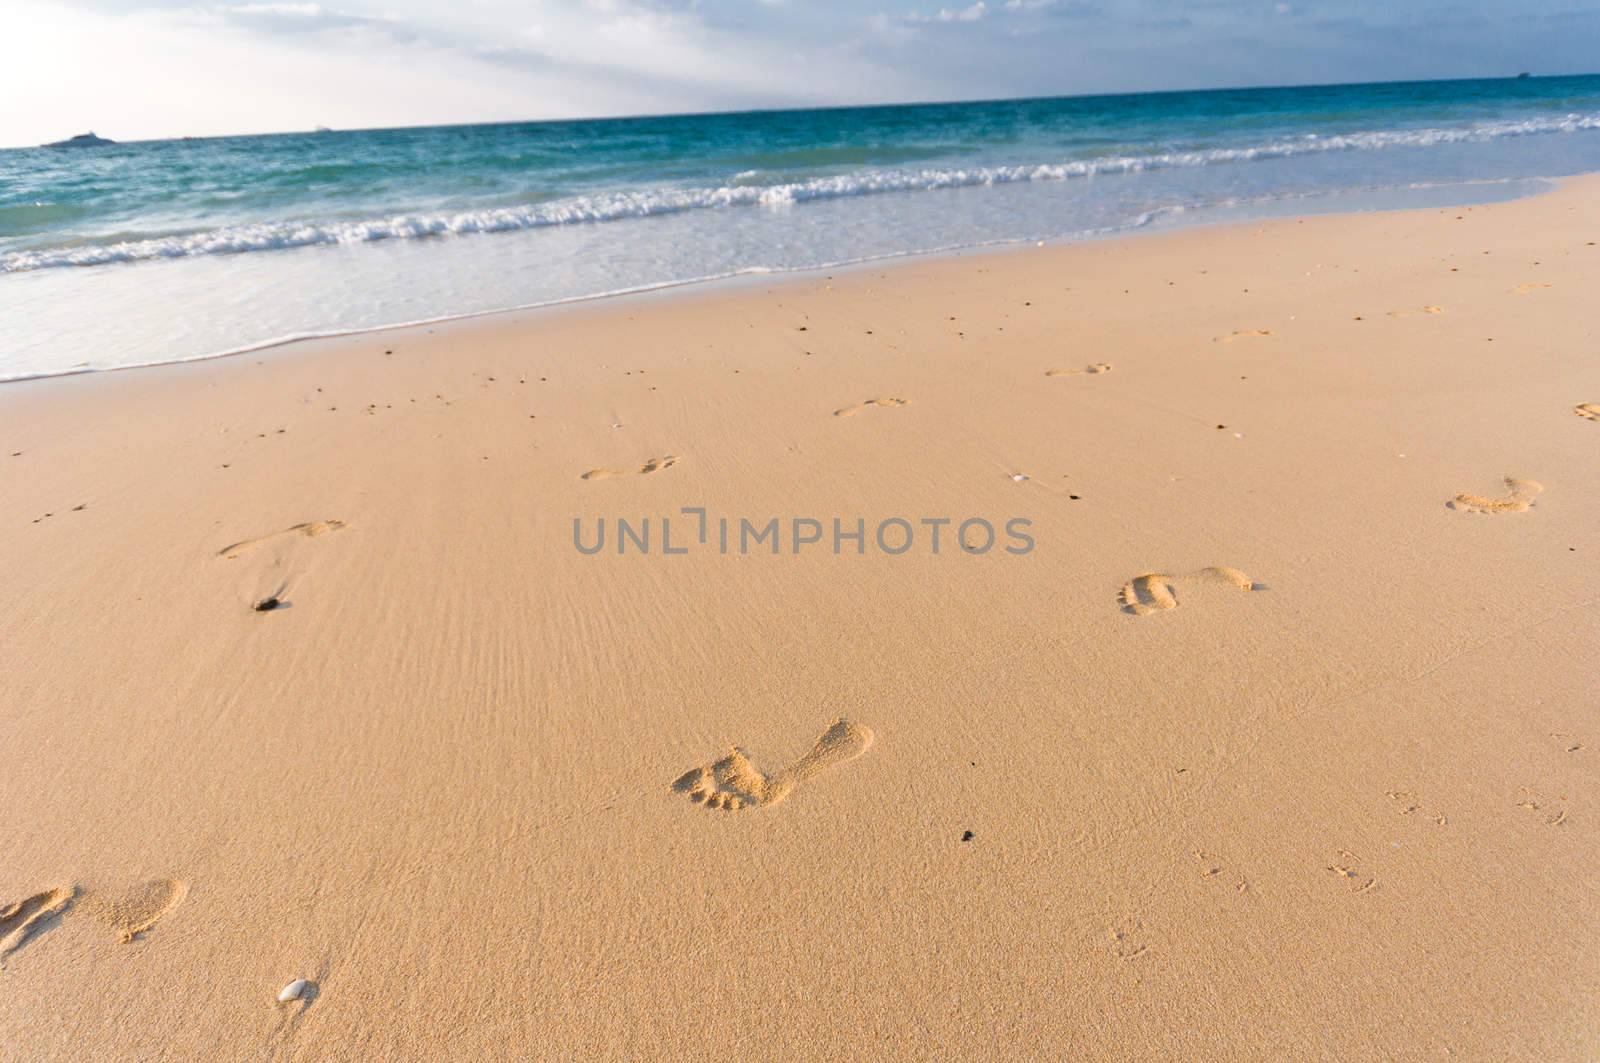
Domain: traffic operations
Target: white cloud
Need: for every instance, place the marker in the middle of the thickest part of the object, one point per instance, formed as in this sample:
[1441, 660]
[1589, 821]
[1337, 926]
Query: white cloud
[967, 14]
[299, 10]
[270, 66]
[292, 18]
[144, 68]
[977, 12]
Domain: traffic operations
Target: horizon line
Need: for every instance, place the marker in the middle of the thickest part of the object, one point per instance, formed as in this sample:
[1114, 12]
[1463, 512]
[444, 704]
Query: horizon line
[734, 112]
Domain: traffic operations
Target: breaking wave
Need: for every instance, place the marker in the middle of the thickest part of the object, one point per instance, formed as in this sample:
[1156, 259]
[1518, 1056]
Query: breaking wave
[620, 205]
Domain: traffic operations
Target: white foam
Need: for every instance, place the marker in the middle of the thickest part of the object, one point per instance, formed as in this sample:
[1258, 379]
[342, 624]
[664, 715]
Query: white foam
[614, 206]
[284, 339]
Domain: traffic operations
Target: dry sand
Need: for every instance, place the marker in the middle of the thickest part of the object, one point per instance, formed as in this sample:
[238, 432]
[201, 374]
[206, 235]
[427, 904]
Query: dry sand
[1281, 743]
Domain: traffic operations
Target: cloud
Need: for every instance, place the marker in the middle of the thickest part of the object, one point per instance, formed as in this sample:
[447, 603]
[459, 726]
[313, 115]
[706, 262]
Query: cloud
[301, 18]
[137, 68]
[981, 10]
[966, 14]
[270, 65]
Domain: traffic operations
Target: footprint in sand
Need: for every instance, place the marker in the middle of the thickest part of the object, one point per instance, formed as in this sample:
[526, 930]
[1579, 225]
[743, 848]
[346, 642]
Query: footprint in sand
[1212, 869]
[1346, 868]
[309, 530]
[1519, 501]
[650, 465]
[1524, 289]
[1124, 939]
[1091, 368]
[134, 912]
[1154, 592]
[1589, 411]
[268, 579]
[21, 921]
[130, 914]
[733, 782]
[1533, 801]
[851, 411]
[1243, 334]
[1410, 806]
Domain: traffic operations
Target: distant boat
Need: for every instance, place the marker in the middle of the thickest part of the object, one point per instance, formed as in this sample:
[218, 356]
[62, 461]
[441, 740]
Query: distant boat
[82, 140]
[323, 129]
[1524, 74]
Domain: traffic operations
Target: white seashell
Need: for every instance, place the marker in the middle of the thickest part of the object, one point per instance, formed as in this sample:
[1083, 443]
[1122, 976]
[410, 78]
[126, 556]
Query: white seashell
[292, 991]
[1019, 477]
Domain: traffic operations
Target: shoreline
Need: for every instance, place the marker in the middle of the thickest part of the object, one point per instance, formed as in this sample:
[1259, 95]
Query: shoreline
[1279, 742]
[1224, 214]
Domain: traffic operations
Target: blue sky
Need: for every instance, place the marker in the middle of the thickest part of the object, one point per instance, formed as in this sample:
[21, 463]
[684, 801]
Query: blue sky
[136, 68]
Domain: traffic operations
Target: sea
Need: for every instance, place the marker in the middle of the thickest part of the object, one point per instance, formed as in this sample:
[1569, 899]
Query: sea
[170, 250]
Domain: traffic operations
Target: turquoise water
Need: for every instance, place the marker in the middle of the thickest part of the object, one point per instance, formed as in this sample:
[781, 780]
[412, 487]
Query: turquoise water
[165, 250]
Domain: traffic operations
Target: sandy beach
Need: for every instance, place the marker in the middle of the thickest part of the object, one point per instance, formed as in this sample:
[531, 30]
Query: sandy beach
[1279, 741]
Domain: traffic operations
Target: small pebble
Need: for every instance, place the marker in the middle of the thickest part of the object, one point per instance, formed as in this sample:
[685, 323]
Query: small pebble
[267, 604]
[292, 991]
[966, 835]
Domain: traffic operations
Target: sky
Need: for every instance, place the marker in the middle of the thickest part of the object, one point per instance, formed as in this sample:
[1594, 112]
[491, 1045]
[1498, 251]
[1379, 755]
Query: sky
[137, 69]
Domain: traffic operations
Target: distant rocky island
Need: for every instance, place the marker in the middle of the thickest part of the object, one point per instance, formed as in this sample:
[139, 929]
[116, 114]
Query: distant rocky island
[82, 140]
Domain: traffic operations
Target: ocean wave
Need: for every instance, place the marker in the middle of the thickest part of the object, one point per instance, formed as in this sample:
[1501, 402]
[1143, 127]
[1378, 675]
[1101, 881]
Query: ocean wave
[621, 205]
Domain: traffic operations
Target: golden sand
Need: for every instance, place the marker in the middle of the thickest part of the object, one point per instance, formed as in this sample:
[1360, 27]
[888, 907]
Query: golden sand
[462, 777]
